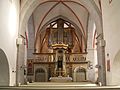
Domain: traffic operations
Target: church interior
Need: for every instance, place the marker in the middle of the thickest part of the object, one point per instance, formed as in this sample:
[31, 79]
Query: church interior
[59, 42]
[60, 55]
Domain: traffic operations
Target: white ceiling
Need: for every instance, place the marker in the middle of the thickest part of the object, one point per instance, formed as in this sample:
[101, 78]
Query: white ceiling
[76, 12]
[72, 11]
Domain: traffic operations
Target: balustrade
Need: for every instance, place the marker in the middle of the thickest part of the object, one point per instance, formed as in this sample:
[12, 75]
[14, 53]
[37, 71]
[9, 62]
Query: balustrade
[51, 57]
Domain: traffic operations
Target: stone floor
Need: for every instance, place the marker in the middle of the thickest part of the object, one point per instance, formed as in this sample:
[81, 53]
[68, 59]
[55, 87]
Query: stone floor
[61, 86]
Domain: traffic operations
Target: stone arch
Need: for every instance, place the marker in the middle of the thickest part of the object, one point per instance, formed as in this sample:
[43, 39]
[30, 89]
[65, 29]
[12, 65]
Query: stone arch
[116, 70]
[79, 74]
[54, 19]
[42, 72]
[90, 6]
[4, 69]
[94, 12]
[62, 17]
[40, 75]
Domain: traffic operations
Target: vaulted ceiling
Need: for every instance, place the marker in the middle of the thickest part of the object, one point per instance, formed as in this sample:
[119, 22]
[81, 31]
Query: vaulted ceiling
[73, 11]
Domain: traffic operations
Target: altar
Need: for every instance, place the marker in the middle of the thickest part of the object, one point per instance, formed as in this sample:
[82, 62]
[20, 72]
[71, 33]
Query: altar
[60, 79]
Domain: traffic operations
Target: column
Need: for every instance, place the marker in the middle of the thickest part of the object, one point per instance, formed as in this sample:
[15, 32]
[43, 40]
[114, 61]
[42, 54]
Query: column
[101, 60]
[64, 63]
[56, 58]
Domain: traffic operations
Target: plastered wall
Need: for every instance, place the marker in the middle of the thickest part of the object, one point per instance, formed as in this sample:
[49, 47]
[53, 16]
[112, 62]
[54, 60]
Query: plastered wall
[9, 21]
[111, 29]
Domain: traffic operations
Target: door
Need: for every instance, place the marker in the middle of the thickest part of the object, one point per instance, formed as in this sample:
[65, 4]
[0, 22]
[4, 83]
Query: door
[80, 75]
[40, 75]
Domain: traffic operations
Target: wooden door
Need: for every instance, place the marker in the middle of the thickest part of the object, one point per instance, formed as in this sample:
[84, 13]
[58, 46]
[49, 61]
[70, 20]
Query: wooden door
[40, 75]
[80, 75]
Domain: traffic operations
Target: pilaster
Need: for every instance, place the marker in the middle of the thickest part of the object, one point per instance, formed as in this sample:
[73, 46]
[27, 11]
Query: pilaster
[101, 60]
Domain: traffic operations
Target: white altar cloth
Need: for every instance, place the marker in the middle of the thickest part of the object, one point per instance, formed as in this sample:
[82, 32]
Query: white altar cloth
[60, 79]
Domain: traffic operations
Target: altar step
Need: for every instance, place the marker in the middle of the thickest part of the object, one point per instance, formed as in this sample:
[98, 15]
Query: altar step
[61, 86]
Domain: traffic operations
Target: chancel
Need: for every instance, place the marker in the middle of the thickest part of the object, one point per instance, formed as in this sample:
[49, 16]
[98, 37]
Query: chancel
[62, 61]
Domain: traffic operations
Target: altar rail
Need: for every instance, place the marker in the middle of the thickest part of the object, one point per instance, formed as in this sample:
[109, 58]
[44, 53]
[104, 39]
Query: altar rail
[50, 57]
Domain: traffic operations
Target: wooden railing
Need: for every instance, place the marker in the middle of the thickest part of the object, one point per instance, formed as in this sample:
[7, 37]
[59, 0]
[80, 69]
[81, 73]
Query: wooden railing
[50, 57]
[44, 57]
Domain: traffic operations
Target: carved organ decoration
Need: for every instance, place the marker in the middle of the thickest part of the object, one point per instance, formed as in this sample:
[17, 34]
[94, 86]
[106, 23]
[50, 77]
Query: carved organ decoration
[61, 33]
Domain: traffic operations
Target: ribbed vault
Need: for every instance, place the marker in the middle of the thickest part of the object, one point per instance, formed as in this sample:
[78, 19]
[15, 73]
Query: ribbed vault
[76, 12]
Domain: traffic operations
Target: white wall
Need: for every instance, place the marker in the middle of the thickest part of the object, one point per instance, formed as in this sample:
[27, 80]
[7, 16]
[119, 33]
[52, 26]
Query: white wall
[111, 28]
[31, 38]
[90, 56]
[9, 18]
[116, 70]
